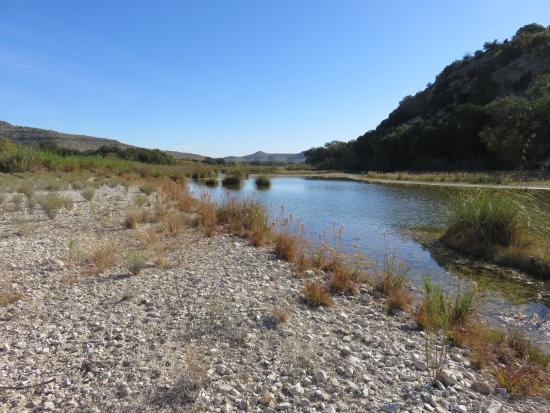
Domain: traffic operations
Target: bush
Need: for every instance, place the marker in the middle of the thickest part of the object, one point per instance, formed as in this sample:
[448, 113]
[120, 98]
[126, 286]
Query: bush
[135, 261]
[211, 182]
[263, 182]
[232, 181]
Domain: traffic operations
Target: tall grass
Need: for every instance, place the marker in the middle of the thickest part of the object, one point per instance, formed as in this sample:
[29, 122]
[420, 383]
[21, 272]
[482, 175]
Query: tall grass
[245, 218]
[507, 227]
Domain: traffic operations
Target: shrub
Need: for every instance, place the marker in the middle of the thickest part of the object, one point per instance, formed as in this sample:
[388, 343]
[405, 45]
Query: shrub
[52, 203]
[317, 296]
[232, 181]
[135, 261]
[211, 182]
[263, 182]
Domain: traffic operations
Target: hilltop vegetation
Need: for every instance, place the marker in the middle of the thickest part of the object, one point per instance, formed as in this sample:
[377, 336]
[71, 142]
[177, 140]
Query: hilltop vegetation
[489, 110]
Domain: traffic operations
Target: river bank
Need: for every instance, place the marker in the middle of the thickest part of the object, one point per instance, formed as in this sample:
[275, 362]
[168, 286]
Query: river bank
[538, 186]
[216, 326]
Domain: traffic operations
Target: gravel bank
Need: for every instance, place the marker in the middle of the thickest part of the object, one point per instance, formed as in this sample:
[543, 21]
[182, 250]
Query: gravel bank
[202, 334]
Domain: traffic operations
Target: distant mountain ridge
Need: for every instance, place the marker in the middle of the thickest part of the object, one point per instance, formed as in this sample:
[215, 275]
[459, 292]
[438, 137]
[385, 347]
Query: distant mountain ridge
[269, 157]
[24, 135]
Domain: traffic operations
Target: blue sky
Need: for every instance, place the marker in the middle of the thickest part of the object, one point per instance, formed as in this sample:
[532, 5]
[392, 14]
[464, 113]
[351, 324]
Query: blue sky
[232, 77]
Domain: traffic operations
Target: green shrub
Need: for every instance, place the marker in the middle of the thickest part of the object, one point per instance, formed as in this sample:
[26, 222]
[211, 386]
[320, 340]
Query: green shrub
[211, 182]
[263, 182]
[231, 181]
[135, 261]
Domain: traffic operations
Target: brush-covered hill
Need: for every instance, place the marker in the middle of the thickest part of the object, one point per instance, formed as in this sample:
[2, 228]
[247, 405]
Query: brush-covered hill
[24, 135]
[487, 110]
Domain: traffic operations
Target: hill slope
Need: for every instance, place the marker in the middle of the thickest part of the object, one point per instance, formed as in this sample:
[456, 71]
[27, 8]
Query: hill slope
[487, 110]
[24, 135]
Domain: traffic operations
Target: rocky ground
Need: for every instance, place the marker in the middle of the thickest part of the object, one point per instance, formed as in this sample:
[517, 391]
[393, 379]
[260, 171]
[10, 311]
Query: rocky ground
[206, 333]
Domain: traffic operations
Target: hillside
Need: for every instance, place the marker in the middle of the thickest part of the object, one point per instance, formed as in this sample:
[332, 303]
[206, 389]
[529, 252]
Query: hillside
[24, 135]
[28, 136]
[485, 111]
[268, 157]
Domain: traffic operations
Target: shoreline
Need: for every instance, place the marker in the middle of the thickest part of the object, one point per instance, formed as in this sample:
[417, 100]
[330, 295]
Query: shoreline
[337, 176]
[202, 331]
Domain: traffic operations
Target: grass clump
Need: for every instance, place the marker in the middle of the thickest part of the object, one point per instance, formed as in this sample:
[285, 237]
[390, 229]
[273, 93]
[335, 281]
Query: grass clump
[290, 243]
[208, 215]
[280, 315]
[232, 181]
[316, 295]
[103, 257]
[245, 218]
[393, 282]
[88, 193]
[52, 203]
[502, 226]
[9, 296]
[135, 262]
[263, 182]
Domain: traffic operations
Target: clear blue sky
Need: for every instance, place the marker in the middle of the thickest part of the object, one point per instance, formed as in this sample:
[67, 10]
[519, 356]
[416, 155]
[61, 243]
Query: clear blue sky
[232, 77]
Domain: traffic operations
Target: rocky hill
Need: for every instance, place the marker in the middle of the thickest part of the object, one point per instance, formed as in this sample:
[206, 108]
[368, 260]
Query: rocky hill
[490, 109]
[24, 135]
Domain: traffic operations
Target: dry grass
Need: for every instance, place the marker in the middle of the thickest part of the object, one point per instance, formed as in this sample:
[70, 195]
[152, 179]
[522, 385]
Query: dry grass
[52, 203]
[136, 216]
[393, 283]
[280, 315]
[316, 295]
[245, 218]
[343, 280]
[148, 238]
[9, 296]
[103, 257]
[179, 194]
[208, 215]
[518, 366]
[172, 222]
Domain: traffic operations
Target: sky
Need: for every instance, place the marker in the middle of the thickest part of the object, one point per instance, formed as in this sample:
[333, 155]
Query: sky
[233, 77]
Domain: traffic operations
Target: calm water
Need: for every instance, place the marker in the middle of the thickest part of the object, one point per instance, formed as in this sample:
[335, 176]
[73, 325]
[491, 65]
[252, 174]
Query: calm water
[373, 218]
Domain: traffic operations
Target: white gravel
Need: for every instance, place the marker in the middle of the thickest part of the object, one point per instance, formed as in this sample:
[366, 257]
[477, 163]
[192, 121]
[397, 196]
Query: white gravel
[200, 336]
